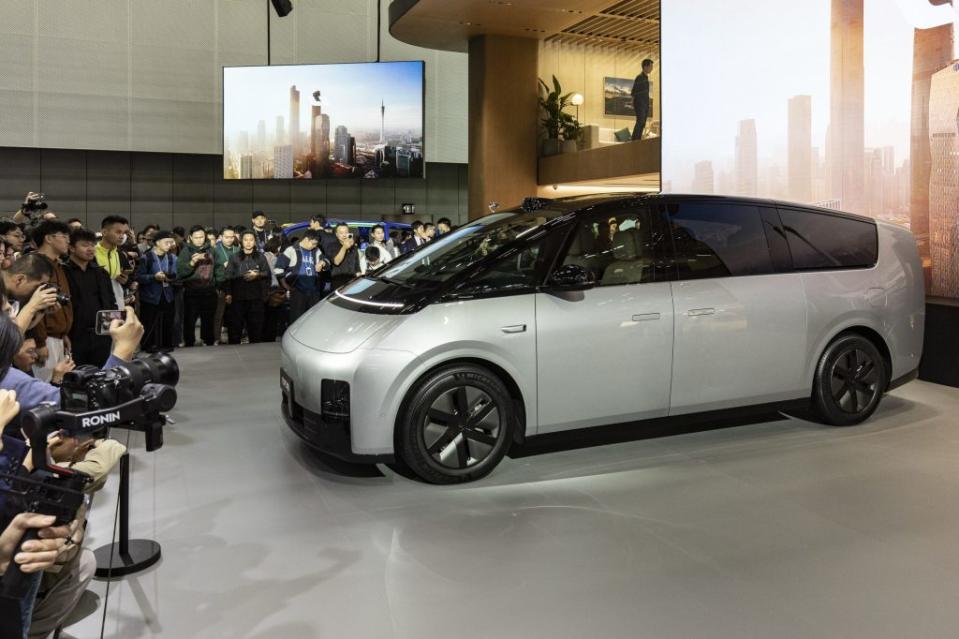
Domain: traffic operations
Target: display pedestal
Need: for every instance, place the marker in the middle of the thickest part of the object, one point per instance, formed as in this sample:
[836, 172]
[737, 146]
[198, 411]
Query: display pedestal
[940, 352]
[126, 556]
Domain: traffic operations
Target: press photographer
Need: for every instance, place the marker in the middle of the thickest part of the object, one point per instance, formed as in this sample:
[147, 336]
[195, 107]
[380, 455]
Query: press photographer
[31, 392]
[52, 239]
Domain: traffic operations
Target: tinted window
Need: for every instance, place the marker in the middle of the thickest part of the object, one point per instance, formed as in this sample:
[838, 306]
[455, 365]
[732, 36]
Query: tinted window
[616, 247]
[776, 239]
[717, 240]
[822, 241]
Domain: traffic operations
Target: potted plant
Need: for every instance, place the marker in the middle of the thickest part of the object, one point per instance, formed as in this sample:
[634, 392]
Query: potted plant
[552, 102]
[571, 129]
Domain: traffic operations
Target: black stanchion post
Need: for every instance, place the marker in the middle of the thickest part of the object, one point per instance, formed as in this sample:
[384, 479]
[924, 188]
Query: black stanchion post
[126, 556]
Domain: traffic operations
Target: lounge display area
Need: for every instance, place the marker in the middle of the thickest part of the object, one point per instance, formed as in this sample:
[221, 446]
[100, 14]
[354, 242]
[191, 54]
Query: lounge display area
[478, 318]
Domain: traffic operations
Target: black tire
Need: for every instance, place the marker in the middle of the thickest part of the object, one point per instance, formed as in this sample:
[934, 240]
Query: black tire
[850, 380]
[457, 425]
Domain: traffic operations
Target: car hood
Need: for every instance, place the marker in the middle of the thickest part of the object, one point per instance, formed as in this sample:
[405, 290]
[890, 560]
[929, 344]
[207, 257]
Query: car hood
[333, 329]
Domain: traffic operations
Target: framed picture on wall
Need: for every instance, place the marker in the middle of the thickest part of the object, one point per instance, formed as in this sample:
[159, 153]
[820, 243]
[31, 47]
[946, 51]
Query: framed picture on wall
[618, 98]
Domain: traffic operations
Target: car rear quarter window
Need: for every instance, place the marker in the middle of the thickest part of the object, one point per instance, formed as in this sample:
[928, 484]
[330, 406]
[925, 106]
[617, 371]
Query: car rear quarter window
[822, 241]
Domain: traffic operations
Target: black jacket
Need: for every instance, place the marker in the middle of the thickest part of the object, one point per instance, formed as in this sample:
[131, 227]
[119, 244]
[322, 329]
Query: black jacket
[85, 301]
[240, 288]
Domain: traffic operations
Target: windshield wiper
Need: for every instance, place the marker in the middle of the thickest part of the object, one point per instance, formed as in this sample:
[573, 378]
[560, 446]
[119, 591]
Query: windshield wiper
[395, 282]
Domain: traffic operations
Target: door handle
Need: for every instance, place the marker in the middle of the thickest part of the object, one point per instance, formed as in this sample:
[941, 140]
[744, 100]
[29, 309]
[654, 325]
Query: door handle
[645, 317]
[515, 328]
[698, 312]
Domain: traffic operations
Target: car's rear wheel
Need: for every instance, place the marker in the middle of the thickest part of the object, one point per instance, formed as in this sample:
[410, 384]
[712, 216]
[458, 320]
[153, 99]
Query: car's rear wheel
[850, 381]
[457, 426]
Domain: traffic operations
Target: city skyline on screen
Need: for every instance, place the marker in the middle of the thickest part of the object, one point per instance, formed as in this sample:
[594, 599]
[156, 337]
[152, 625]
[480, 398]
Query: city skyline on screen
[360, 120]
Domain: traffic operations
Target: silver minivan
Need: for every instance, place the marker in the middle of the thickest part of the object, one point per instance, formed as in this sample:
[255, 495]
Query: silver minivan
[589, 311]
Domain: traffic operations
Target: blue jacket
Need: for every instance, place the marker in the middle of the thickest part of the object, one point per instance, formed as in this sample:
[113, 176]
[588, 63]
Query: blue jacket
[151, 291]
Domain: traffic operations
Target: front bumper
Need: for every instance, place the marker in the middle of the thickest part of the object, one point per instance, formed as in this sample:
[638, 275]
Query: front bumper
[329, 436]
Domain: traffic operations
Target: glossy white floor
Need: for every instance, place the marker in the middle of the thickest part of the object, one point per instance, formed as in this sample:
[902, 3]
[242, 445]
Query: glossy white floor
[779, 529]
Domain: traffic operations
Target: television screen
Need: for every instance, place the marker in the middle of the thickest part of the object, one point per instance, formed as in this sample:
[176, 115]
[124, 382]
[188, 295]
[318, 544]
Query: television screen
[316, 121]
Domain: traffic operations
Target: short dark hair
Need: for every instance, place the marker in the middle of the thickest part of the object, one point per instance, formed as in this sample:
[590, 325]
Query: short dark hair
[416, 225]
[146, 229]
[33, 265]
[210, 230]
[82, 235]
[179, 230]
[339, 224]
[49, 227]
[378, 226]
[444, 220]
[318, 218]
[273, 244]
[197, 227]
[227, 228]
[647, 62]
[257, 214]
[428, 225]
[311, 234]
[11, 339]
[76, 219]
[372, 253]
[110, 220]
[6, 226]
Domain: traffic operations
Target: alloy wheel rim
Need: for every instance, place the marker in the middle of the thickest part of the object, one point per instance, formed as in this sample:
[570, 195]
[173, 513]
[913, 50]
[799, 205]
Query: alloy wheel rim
[461, 427]
[854, 381]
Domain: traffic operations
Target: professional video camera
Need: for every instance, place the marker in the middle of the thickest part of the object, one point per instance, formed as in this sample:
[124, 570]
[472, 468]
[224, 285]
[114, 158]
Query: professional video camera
[33, 208]
[133, 395]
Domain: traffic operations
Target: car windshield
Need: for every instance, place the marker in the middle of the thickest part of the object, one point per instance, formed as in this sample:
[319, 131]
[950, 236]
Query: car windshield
[456, 251]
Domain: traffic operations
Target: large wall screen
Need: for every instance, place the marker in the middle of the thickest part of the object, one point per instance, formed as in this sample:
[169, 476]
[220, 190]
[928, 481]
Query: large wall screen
[349, 121]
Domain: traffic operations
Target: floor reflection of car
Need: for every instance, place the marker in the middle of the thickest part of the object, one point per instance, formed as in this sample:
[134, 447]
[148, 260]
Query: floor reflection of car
[582, 312]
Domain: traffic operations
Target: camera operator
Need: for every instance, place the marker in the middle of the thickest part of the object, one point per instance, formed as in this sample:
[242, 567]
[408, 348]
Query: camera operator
[346, 261]
[52, 238]
[32, 392]
[23, 285]
[156, 275]
[37, 555]
[194, 268]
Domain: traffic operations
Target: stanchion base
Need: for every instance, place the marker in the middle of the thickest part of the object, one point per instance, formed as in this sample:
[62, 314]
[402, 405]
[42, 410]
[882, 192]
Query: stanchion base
[143, 553]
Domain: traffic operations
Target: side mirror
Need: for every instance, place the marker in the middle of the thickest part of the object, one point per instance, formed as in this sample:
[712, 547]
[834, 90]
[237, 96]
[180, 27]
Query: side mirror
[571, 277]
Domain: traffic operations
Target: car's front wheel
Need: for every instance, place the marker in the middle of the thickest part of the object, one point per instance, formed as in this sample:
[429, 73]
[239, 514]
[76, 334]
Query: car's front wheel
[457, 426]
[850, 380]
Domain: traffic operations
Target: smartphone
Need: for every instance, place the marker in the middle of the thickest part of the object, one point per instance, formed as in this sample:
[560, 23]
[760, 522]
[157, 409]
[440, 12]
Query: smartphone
[105, 318]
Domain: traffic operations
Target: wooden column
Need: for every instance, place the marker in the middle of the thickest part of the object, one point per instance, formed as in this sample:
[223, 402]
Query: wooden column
[503, 121]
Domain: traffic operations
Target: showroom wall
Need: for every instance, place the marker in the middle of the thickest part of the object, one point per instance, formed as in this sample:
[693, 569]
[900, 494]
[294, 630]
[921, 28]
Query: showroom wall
[173, 189]
[143, 75]
[583, 69]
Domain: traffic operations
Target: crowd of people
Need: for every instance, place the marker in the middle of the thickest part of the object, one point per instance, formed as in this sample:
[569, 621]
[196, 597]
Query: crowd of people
[56, 276]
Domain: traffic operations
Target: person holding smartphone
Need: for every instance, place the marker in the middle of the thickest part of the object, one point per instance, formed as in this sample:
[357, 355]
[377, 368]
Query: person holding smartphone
[247, 286]
[346, 261]
[156, 274]
[195, 269]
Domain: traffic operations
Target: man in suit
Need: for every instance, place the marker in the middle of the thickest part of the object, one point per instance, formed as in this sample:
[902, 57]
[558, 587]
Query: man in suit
[419, 237]
[641, 99]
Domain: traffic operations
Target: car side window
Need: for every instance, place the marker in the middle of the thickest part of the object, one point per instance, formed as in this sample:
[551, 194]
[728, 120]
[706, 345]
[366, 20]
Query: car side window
[519, 270]
[717, 240]
[615, 247]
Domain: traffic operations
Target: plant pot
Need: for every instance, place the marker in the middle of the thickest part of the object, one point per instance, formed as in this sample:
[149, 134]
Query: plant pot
[551, 146]
[570, 146]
